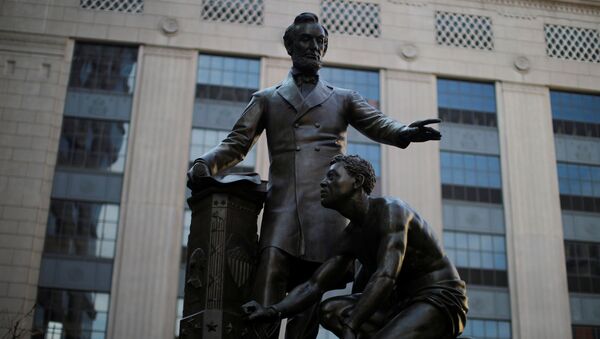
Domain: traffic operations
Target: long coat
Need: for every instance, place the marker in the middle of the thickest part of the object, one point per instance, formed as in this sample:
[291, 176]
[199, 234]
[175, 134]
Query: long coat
[303, 135]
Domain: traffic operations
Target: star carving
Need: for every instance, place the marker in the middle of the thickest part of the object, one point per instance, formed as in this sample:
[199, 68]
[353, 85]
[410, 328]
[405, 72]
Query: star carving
[212, 327]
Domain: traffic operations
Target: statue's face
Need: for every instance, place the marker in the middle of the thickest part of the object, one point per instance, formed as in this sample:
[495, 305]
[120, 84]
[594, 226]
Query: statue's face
[337, 186]
[308, 47]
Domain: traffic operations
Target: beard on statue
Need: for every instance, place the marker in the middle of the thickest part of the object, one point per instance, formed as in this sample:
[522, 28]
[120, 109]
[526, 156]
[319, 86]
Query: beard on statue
[307, 65]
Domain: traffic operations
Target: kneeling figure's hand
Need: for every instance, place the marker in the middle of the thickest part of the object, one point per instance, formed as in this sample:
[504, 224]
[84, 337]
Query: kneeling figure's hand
[255, 311]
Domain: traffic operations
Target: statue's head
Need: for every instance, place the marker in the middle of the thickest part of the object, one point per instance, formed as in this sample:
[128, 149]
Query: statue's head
[347, 175]
[306, 42]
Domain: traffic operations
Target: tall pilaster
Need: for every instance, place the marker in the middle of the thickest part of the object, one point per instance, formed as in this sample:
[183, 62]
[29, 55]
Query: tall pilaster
[536, 258]
[145, 277]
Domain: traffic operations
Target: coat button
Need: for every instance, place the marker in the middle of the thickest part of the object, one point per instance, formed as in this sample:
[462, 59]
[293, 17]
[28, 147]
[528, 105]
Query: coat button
[317, 125]
[296, 125]
[317, 148]
[297, 148]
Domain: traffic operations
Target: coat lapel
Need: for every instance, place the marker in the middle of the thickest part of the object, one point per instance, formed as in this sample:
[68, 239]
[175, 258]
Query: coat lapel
[319, 94]
[290, 93]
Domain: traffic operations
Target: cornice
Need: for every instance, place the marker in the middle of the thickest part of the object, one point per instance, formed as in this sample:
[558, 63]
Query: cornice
[584, 7]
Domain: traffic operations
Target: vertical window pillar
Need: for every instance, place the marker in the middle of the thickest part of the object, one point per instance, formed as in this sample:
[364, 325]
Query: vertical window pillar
[534, 232]
[148, 255]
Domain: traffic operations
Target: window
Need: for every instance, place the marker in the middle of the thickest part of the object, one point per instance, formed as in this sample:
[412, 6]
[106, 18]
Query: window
[471, 177]
[351, 17]
[93, 144]
[80, 242]
[70, 314]
[576, 179]
[466, 102]
[579, 187]
[572, 43]
[234, 11]
[463, 30]
[583, 266]
[205, 139]
[480, 258]
[364, 82]
[472, 182]
[103, 68]
[470, 169]
[576, 113]
[586, 332]
[127, 6]
[224, 87]
[487, 329]
[82, 229]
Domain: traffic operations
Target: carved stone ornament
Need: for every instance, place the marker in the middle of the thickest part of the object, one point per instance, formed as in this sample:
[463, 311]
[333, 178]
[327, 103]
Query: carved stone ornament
[169, 25]
[409, 51]
[522, 63]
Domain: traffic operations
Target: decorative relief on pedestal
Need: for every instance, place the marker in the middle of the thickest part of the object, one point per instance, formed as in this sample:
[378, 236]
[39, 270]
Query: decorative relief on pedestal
[240, 266]
[216, 258]
[196, 267]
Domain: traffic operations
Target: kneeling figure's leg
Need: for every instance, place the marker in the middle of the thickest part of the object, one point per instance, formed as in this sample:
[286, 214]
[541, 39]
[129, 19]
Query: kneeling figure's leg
[334, 312]
[418, 321]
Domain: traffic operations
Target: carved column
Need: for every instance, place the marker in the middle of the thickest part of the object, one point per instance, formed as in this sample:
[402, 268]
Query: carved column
[222, 249]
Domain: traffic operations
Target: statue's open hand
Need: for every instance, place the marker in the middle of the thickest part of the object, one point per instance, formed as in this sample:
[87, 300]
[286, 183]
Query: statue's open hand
[419, 132]
[257, 312]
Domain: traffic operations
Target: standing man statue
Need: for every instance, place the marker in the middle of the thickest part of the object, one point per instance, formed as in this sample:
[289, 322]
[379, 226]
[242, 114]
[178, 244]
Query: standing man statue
[305, 119]
[413, 290]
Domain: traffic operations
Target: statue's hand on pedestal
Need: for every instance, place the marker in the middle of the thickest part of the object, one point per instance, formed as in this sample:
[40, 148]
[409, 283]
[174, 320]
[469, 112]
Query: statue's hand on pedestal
[257, 312]
[197, 171]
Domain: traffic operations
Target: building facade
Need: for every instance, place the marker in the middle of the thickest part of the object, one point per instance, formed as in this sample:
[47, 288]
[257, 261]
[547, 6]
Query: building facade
[104, 103]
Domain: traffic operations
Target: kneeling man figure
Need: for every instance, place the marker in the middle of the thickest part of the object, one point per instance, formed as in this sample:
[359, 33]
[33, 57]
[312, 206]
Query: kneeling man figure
[412, 290]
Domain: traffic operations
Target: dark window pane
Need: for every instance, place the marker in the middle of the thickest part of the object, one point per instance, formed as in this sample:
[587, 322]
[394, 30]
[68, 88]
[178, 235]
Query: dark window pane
[579, 180]
[103, 68]
[93, 144]
[583, 270]
[586, 332]
[82, 229]
[70, 314]
[467, 96]
[577, 107]
[487, 329]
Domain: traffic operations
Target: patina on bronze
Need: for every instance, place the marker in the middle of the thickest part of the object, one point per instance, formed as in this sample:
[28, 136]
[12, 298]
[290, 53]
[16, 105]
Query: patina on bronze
[221, 256]
[412, 290]
[305, 119]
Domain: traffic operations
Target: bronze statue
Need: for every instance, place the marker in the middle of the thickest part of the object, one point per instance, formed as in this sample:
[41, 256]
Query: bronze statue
[305, 119]
[412, 289]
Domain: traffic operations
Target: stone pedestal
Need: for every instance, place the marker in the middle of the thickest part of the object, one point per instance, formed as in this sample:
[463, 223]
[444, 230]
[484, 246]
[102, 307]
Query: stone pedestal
[221, 257]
